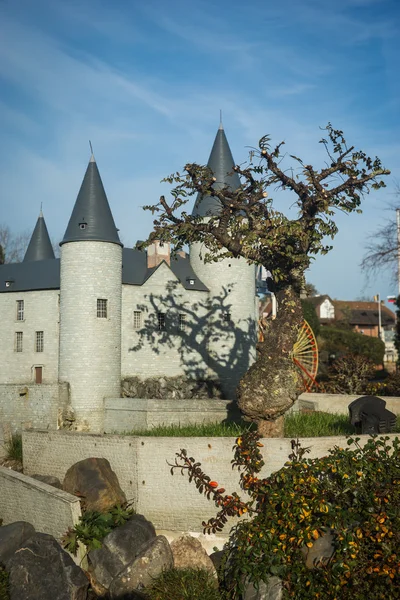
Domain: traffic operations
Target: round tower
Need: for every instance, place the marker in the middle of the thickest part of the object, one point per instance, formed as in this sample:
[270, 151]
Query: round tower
[90, 304]
[232, 285]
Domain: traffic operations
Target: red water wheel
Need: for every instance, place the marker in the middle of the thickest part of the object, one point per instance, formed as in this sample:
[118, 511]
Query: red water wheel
[305, 355]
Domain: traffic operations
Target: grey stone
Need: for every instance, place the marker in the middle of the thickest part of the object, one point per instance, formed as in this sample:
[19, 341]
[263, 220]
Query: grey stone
[188, 553]
[93, 480]
[42, 570]
[49, 479]
[155, 558]
[120, 547]
[267, 590]
[170, 388]
[13, 537]
[321, 552]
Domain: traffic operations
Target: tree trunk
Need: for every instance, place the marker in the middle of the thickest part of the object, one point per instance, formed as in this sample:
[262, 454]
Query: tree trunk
[273, 383]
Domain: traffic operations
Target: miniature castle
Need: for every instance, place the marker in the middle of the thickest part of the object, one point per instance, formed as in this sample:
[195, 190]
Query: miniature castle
[103, 312]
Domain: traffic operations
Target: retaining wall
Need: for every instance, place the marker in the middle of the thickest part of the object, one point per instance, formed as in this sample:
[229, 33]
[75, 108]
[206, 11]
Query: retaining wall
[142, 465]
[338, 403]
[126, 414]
[48, 509]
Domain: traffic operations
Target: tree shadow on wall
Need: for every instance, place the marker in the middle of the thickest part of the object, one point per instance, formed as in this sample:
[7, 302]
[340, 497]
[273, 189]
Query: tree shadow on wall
[201, 335]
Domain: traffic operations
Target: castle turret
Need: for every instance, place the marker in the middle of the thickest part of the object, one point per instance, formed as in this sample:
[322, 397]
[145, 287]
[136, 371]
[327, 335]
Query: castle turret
[90, 303]
[39, 247]
[231, 281]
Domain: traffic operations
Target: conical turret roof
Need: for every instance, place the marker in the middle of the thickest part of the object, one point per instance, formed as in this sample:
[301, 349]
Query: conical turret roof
[39, 247]
[91, 218]
[221, 164]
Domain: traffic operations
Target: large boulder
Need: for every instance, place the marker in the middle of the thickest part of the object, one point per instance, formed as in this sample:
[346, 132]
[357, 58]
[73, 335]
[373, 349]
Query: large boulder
[188, 553]
[155, 558]
[120, 547]
[42, 570]
[13, 537]
[95, 483]
[267, 590]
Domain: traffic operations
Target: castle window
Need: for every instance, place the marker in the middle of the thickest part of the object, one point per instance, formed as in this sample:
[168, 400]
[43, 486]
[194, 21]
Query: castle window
[101, 308]
[18, 341]
[20, 310]
[39, 342]
[82, 225]
[161, 321]
[227, 317]
[182, 322]
[190, 280]
[137, 319]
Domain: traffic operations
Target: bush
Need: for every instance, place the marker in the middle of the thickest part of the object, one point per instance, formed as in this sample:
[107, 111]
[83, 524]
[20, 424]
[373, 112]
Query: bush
[184, 584]
[354, 494]
[310, 315]
[388, 387]
[14, 447]
[4, 587]
[341, 341]
[349, 375]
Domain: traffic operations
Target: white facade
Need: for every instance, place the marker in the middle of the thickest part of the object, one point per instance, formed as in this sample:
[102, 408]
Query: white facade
[90, 345]
[22, 360]
[233, 316]
[172, 344]
[327, 310]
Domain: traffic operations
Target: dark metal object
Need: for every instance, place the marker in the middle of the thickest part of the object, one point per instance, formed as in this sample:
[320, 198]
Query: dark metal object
[369, 415]
[40, 247]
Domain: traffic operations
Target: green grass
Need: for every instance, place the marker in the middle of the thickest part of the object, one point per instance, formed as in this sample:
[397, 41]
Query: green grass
[312, 424]
[14, 447]
[184, 584]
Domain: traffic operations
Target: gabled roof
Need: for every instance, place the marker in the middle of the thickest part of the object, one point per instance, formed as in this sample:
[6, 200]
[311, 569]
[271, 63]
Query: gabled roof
[318, 300]
[39, 247]
[221, 164]
[91, 218]
[363, 313]
[45, 274]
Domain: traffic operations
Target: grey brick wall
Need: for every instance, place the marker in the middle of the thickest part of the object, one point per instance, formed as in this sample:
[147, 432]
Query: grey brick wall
[48, 509]
[141, 465]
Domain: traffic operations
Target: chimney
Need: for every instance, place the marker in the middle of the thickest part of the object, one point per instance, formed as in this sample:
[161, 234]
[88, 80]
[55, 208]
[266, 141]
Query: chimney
[157, 252]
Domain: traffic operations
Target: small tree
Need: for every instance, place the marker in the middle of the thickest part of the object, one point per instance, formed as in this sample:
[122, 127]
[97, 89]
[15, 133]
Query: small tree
[249, 226]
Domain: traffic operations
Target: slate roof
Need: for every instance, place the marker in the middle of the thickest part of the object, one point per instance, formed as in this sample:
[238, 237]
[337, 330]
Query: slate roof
[39, 247]
[221, 163]
[91, 218]
[363, 313]
[45, 274]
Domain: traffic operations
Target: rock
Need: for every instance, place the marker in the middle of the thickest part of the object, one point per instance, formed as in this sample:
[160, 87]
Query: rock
[42, 570]
[170, 388]
[321, 552]
[13, 537]
[49, 479]
[269, 590]
[216, 558]
[120, 547]
[155, 558]
[96, 483]
[188, 553]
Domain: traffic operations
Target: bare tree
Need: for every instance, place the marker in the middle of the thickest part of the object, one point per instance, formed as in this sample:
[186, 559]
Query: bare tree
[249, 226]
[13, 245]
[381, 250]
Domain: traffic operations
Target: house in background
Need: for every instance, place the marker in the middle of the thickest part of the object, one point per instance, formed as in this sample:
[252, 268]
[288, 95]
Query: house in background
[362, 317]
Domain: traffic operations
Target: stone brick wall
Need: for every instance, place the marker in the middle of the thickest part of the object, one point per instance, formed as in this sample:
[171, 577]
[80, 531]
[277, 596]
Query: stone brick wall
[90, 347]
[141, 464]
[38, 406]
[128, 414]
[148, 352]
[41, 313]
[48, 509]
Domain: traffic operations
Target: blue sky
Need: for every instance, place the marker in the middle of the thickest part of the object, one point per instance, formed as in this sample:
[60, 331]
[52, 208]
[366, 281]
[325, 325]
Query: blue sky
[145, 82]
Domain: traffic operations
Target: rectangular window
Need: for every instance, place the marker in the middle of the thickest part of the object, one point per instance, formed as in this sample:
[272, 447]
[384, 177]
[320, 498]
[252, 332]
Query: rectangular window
[227, 317]
[161, 321]
[101, 308]
[182, 322]
[39, 342]
[20, 310]
[137, 319]
[18, 341]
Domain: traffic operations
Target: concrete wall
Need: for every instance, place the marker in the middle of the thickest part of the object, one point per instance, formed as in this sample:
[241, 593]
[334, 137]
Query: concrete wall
[338, 403]
[142, 465]
[41, 313]
[128, 414]
[33, 405]
[48, 509]
[149, 352]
